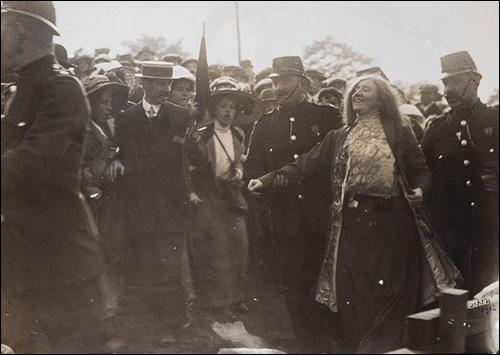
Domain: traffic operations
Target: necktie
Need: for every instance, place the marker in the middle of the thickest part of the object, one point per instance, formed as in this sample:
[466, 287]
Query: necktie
[152, 113]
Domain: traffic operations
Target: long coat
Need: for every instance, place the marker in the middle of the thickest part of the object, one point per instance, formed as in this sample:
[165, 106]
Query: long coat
[49, 238]
[155, 189]
[281, 137]
[369, 273]
[218, 244]
[460, 147]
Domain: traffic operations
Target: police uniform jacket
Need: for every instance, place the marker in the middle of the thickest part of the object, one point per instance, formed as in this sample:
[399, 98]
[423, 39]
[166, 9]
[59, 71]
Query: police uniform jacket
[280, 137]
[459, 146]
[49, 238]
[155, 180]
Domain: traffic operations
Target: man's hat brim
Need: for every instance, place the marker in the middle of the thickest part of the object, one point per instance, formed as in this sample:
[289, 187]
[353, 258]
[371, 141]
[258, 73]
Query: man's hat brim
[287, 72]
[35, 16]
[153, 77]
[467, 71]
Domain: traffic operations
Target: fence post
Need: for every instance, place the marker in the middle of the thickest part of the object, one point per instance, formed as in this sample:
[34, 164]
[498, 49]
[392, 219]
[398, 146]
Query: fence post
[452, 321]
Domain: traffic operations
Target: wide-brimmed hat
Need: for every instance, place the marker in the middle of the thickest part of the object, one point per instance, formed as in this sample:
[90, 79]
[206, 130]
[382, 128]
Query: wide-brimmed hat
[62, 56]
[42, 11]
[224, 82]
[263, 84]
[235, 71]
[330, 82]
[372, 71]
[181, 73]
[313, 73]
[407, 109]
[330, 91]
[94, 84]
[268, 95]
[291, 65]
[432, 88]
[250, 107]
[264, 73]
[126, 60]
[156, 70]
[458, 63]
[188, 61]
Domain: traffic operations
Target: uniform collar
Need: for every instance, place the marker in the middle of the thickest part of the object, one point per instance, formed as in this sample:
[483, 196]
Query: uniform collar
[37, 67]
[475, 108]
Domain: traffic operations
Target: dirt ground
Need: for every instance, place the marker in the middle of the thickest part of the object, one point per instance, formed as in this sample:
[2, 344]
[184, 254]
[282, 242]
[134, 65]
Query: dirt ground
[267, 323]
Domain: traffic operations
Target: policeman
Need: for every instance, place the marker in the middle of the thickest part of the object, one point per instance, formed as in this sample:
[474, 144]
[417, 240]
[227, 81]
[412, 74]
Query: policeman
[51, 260]
[300, 213]
[430, 100]
[461, 148]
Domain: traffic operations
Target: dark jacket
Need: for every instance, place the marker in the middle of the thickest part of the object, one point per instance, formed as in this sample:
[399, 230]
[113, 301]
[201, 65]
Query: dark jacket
[49, 238]
[155, 179]
[436, 108]
[457, 168]
[330, 158]
[276, 140]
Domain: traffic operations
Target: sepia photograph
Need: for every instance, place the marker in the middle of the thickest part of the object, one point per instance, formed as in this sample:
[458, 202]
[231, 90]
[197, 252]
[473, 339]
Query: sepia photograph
[249, 177]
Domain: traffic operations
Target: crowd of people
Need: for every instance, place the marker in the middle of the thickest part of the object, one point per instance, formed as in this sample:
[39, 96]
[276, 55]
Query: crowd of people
[118, 179]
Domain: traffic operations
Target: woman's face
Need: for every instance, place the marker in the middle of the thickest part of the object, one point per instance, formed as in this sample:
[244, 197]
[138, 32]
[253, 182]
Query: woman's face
[102, 106]
[364, 97]
[182, 92]
[225, 112]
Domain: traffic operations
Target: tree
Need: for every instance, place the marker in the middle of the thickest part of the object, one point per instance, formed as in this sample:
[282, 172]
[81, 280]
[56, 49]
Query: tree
[334, 58]
[158, 44]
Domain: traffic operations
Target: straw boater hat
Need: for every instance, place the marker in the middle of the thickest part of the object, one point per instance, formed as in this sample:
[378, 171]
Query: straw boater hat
[156, 70]
[250, 107]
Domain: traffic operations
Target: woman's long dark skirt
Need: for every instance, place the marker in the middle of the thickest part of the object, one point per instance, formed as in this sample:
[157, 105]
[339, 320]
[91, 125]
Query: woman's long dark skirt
[218, 253]
[378, 274]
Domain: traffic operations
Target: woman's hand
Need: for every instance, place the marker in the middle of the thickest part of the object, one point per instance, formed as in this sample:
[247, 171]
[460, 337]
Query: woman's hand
[116, 169]
[415, 199]
[195, 199]
[254, 185]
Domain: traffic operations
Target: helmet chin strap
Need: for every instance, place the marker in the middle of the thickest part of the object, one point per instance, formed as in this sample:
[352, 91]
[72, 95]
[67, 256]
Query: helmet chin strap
[464, 90]
[290, 94]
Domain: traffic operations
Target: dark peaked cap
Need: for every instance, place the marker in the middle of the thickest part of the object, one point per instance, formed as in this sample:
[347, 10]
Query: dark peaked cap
[457, 63]
[43, 11]
[287, 66]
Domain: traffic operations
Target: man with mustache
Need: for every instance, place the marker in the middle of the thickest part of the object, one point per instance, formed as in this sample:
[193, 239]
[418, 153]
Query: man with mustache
[156, 197]
[461, 148]
[300, 213]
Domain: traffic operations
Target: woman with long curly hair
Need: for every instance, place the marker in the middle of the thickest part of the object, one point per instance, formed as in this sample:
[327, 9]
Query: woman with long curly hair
[369, 277]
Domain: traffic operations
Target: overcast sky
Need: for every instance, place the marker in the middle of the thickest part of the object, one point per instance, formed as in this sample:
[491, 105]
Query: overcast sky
[405, 38]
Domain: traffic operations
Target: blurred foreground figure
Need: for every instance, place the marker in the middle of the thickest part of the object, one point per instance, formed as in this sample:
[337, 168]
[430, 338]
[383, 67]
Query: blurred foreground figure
[461, 148]
[51, 260]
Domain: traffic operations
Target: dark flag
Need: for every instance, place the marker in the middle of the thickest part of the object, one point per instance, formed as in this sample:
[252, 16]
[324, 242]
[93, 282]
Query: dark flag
[202, 82]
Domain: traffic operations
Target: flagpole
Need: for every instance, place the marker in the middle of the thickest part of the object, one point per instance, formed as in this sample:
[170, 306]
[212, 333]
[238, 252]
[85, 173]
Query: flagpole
[238, 32]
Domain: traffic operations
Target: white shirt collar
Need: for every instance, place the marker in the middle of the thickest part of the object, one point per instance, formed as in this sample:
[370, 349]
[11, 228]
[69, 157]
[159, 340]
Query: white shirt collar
[147, 107]
[219, 128]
